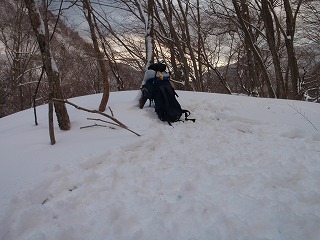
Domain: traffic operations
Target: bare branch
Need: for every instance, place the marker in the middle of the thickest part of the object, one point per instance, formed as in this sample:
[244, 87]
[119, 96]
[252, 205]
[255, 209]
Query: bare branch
[117, 122]
[111, 112]
[303, 115]
[95, 125]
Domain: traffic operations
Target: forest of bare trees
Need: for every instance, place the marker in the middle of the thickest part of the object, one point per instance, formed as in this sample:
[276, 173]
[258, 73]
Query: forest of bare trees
[262, 48]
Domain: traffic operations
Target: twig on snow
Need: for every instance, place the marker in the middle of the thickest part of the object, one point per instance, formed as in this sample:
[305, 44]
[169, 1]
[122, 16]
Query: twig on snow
[97, 119]
[111, 112]
[304, 116]
[96, 125]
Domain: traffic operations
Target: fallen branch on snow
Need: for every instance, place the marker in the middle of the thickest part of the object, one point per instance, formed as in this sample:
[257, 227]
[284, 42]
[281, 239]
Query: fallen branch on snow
[96, 125]
[111, 112]
[303, 115]
[115, 121]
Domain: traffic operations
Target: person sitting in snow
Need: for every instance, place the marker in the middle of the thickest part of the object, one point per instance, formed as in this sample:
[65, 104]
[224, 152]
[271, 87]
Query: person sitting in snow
[156, 70]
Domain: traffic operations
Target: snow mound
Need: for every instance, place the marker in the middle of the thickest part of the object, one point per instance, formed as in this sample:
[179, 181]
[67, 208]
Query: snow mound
[247, 168]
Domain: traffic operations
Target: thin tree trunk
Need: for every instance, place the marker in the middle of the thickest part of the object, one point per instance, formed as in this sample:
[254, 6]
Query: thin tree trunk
[148, 20]
[270, 34]
[50, 116]
[288, 34]
[104, 74]
[51, 69]
[149, 34]
[60, 108]
[195, 63]
[254, 49]
[168, 12]
[292, 60]
[200, 49]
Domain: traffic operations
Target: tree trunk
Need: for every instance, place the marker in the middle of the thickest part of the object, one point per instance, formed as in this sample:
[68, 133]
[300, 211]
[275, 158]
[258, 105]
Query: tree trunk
[270, 34]
[292, 60]
[50, 66]
[149, 34]
[104, 74]
[253, 48]
[168, 12]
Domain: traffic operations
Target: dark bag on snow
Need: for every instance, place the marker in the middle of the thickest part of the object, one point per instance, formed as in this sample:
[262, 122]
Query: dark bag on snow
[162, 93]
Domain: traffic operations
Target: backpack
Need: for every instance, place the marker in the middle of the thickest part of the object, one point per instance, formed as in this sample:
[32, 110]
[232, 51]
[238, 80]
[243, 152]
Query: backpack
[159, 90]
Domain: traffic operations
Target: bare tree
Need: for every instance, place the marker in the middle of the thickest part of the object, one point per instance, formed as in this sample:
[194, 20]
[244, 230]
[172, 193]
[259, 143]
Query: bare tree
[267, 56]
[242, 12]
[281, 91]
[147, 19]
[309, 28]
[172, 34]
[256, 41]
[41, 31]
[100, 58]
[20, 64]
[291, 17]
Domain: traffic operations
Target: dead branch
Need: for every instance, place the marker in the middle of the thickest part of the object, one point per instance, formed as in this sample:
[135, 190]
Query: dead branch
[111, 112]
[94, 125]
[97, 119]
[304, 116]
[116, 121]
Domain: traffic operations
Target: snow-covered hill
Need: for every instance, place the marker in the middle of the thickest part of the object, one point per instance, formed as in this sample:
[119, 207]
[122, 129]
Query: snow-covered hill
[248, 168]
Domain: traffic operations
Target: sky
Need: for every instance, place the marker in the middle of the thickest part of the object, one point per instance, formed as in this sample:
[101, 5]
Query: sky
[74, 17]
[248, 168]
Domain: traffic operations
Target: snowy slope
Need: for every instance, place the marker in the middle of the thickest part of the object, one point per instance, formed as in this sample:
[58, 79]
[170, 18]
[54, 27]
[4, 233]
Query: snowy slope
[248, 168]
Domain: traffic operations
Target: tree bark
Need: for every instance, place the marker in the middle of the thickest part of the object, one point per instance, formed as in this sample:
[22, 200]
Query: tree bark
[292, 60]
[42, 35]
[253, 48]
[100, 58]
[270, 35]
[149, 34]
[187, 34]
[167, 9]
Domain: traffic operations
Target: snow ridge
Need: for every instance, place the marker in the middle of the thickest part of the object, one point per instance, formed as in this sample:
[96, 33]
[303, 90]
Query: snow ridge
[246, 169]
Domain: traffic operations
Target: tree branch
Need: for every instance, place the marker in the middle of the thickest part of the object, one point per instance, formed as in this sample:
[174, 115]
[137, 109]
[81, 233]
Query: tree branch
[95, 125]
[303, 115]
[116, 121]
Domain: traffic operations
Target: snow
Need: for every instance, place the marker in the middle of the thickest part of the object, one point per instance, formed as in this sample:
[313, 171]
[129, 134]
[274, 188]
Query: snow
[248, 168]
